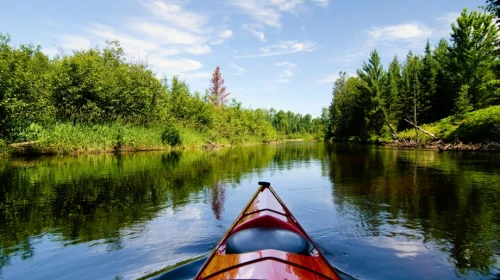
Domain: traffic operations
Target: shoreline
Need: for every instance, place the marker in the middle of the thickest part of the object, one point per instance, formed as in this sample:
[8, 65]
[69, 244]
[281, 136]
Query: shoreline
[443, 146]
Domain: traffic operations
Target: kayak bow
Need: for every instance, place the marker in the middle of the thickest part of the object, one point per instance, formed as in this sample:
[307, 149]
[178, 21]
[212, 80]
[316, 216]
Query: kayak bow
[266, 242]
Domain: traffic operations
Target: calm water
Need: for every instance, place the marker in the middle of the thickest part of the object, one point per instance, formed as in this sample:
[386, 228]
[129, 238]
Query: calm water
[378, 213]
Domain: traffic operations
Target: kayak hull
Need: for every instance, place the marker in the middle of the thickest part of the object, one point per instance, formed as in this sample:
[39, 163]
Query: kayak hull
[266, 209]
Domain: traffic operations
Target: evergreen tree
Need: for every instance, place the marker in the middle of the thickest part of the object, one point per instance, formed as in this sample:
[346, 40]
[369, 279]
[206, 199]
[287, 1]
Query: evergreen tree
[393, 103]
[411, 88]
[373, 80]
[462, 103]
[429, 87]
[443, 106]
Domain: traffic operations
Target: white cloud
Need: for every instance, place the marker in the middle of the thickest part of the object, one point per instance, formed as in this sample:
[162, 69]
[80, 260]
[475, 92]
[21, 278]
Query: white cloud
[173, 13]
[270, 88]
[321, 3]
[238, 70]
[285, 64]
[75, 43]
[198, 49]
[225, 34]
[166, 34]
[222, 36]
[256, 30]
[174, 66]
[287, 47]
[283, 80]
[195, 75]
[399, 32]
[287, 73]
[130, 44]
[167, 52]
[267, 12]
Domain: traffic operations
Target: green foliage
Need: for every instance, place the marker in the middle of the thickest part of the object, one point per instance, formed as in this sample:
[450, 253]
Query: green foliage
[462, 103]
[480, 126]
[98, 86]
[372, 84]
[95, 100]
[171, 136]
[4, 148]
[473, 55]
[444, 81]
[25, 88]
[345, 114]
[477, 126]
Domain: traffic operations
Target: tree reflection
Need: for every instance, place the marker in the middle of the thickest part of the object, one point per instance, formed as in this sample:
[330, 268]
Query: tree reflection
[218, 198]
[81, 199]
[454, 205]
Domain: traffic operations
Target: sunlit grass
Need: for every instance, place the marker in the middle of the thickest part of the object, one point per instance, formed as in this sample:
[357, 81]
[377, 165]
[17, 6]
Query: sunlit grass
[477, 126]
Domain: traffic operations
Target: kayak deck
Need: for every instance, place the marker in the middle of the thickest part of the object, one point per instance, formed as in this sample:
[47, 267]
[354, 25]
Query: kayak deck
[266, 210]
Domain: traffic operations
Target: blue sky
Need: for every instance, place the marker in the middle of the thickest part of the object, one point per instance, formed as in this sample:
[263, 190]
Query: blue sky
[284, 54]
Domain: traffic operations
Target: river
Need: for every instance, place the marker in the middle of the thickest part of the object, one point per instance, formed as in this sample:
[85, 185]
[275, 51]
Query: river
[377, 213]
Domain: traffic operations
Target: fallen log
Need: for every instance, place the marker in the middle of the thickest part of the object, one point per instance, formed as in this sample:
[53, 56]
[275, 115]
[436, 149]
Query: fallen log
[211, 145]
[23, 144]
[421, 129]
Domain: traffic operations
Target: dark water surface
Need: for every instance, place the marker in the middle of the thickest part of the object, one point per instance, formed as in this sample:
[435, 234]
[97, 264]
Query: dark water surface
[378, 213]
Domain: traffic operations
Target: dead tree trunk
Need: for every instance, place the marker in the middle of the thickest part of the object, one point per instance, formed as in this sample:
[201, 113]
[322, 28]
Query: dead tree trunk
[421, 129]
[394, 135]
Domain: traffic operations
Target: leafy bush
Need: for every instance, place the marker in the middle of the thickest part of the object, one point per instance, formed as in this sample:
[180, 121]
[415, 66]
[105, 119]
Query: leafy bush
[479, 126]
[171, 136]
[4, 148]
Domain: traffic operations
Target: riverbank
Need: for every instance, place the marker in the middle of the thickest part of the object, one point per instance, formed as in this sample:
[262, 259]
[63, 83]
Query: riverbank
[442, 146]
[68, 139]
[478, 130]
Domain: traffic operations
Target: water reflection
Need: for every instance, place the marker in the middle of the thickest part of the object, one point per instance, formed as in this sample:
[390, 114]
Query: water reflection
[438, 210]
[419, 197]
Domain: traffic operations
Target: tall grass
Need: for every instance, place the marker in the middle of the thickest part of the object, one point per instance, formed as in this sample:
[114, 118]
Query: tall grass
[65, 138]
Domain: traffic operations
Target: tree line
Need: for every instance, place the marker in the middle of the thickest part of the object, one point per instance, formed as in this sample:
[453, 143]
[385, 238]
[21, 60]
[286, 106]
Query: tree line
[99, 86]
[450, 79]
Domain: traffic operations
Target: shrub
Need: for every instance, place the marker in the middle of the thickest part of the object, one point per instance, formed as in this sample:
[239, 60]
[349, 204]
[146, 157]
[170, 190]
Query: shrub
[171, 136]
[4, 148]
[479, 126]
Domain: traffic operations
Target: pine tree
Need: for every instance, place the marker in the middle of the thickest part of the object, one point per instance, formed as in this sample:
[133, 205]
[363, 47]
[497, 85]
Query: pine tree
[443, 106]
[218, 95]
[429, 87]
[392, 96]
[412, 88]
[373, 81]
[462, 103]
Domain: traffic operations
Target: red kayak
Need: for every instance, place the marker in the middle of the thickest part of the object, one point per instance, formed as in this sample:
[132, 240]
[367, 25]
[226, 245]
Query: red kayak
[266, 242]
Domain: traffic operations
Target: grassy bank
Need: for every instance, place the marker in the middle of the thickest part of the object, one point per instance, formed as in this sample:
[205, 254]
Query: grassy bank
[478, 130]
[475, 127]
[66, 138]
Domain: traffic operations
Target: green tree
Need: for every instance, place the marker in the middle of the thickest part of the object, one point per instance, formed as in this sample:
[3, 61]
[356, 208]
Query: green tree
[429, 87]
[473, 55]
[443, 80]
[373, 80]
[412, 88]
[392, 96]
[462, 103]
[25, 89]
[346, 116]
